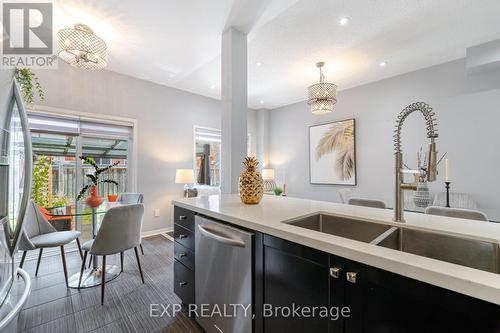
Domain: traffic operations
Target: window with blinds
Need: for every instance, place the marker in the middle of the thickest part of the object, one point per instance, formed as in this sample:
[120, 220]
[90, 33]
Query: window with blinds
[207, 156]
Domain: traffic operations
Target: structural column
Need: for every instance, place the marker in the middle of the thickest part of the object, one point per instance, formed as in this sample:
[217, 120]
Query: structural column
[262, 140]
[234, 107]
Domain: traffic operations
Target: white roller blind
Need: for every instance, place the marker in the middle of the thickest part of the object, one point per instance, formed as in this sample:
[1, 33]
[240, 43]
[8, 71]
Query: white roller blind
[49, 124]
[207, 134]
[105, 130]
[75, 126]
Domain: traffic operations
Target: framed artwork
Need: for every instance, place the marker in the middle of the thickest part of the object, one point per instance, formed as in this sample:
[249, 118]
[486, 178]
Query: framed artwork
[332, 153]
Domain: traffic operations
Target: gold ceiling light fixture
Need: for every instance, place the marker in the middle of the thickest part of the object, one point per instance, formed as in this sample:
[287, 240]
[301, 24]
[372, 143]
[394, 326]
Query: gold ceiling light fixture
[80, 47]
[322, 95]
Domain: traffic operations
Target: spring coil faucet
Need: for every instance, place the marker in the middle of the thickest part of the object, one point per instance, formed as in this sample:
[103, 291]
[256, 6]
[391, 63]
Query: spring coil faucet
[431, 171]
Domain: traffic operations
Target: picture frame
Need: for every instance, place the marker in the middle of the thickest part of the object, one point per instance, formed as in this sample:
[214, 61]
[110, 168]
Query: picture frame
[332, 153]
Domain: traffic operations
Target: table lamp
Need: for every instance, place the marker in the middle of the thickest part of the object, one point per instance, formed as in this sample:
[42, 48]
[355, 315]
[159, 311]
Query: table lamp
[268, 176]
[186, 177]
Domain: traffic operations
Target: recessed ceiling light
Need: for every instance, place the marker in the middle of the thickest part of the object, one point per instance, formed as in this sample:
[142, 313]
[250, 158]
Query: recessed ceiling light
[261, 101]
[259, 63]
[383, 64]
[344, 20]
[212, 86]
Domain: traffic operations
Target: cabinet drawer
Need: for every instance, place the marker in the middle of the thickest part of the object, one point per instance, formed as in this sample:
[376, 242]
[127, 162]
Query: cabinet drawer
[184, 255]
[184, 217]
[184, 283]
[184, 237]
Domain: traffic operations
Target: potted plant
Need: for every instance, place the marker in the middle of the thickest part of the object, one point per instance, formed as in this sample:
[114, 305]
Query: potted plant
[278, 191]
[29, 85]
[94, 200]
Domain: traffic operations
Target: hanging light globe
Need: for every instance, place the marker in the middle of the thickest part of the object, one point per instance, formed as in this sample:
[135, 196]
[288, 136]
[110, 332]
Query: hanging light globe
[80, 47]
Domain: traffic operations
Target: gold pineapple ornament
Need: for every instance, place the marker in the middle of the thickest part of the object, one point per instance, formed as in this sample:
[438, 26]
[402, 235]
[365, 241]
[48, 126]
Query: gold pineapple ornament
[251, 185]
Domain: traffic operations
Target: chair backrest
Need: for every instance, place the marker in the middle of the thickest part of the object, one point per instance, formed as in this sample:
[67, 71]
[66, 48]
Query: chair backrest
[131, 198]
[457, 212]
[35, 223]
[120, 230]
[366, 202]
[344, 194]
[457, 200]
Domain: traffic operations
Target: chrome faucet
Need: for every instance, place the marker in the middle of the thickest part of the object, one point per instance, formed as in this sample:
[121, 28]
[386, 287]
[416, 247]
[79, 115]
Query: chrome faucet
[430, 172]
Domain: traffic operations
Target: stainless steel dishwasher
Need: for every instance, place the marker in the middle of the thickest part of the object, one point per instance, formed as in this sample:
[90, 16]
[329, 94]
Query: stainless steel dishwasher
[223, 277]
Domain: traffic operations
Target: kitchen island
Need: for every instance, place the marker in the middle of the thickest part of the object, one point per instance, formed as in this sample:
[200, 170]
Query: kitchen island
[384, 287]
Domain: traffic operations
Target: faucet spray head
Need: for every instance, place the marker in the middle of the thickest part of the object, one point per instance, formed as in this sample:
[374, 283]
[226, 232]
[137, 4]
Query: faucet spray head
[432, 162]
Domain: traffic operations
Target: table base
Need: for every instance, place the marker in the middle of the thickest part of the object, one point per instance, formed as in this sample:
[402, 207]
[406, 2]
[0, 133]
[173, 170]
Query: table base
[93, 277]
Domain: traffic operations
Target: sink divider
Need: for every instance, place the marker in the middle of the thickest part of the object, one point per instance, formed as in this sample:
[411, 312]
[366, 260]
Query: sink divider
[384, 235]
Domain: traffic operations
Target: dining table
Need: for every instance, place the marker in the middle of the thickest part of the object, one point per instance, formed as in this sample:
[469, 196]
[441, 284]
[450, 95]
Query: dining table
[92, 275]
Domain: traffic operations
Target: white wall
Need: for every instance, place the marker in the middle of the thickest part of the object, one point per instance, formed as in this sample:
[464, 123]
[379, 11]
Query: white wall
[468, 117]
[165, 117]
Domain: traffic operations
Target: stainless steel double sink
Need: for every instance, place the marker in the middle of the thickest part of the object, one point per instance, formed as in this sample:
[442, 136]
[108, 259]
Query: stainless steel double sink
[463, 251]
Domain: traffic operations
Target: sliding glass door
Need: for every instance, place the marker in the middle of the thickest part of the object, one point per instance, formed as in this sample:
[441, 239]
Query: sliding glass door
[54, 176]
[59, 174]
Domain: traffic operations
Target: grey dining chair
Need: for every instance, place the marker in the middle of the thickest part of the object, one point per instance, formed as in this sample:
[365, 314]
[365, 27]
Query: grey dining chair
[344, 194]
[120, 230]
[132, 198]
[366, 202]
[38, 233]
[457, 212]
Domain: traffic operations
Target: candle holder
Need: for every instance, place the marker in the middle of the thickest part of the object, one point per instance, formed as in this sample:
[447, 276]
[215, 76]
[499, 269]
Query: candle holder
[447, 194]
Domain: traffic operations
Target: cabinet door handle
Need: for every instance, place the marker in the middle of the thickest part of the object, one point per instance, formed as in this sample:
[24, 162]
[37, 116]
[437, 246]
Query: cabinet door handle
[182, 236]
[352, 276]
[335, 272]
[183, 217]
[183, 283]
[182, 254]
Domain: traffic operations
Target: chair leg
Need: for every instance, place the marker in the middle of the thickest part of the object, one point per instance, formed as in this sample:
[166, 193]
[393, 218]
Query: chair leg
[82, 269]
[121, 261]
[103, 278]
[90, 260]
[142, 250]
[38, 262]
[22, 259]
[63, 256]
[79, 248]
[138, 263]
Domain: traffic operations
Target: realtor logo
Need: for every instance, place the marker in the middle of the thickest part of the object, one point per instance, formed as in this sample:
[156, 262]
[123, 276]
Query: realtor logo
[28, 35]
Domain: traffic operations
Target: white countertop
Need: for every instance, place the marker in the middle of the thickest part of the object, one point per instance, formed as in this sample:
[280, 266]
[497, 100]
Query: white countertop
[267, 217]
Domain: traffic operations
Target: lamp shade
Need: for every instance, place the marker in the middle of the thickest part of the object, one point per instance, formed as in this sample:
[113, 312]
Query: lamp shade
[184, 176]
[268, 174]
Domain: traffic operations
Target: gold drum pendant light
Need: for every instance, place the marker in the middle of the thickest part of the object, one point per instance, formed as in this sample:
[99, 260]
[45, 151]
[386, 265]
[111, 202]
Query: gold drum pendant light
[322, 95]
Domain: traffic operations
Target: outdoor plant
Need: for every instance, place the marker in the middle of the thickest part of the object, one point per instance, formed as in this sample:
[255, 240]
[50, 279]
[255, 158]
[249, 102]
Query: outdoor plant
[29, 85]
[59, 200]
[94, 178]
[40, 191]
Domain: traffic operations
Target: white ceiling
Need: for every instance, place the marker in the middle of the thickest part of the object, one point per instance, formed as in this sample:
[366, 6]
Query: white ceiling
[177, 42]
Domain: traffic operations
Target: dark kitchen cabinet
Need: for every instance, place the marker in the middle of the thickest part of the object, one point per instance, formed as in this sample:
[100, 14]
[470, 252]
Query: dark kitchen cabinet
[184, 254]
[378, 300]
[382, 301]
[298, 276]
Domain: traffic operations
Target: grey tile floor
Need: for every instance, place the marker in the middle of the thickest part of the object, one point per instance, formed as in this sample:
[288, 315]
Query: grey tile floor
[53, 308]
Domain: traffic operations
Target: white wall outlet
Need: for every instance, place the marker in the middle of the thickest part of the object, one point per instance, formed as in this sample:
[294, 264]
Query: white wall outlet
[157, 212]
